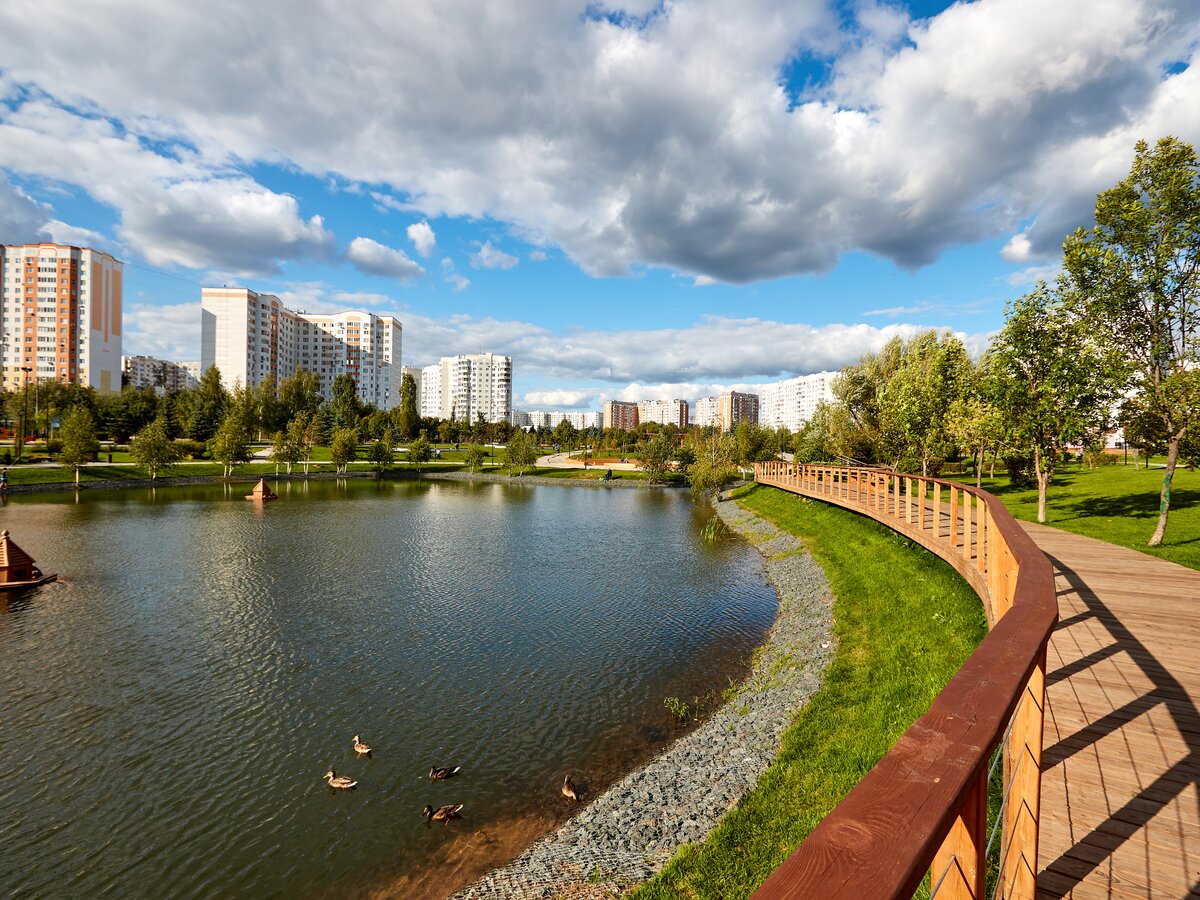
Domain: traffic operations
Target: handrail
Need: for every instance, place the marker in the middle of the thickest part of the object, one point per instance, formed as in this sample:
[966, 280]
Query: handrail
[923, 808]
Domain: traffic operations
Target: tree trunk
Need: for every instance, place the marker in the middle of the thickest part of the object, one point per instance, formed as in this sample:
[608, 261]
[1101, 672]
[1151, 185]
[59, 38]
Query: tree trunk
[77, 476]
[1164, 497]
[979, 469]
[1043, 480]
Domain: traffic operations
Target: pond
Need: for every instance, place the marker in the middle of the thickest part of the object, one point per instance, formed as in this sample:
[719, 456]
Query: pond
[170, 706]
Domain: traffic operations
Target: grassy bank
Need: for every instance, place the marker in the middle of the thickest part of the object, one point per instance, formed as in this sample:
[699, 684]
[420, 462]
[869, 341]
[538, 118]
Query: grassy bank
[904, 623]
[1118, 504]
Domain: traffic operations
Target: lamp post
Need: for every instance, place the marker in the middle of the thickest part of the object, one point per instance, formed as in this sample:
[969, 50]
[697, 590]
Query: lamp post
[25, 412]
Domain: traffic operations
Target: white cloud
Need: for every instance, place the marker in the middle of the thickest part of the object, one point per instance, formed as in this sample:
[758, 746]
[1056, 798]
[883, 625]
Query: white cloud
[451, 276]
[1018, 249]
[489, 257]
[1034, 274]
[375, 258]
[559, 399]
[62, 233]
[658, 136]
[538, 255]
[703, 281]
[422, 236]
[22, 218]
[165, 332]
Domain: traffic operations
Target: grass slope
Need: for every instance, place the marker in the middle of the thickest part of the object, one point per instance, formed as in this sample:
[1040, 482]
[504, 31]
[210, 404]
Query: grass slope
[904, 622]
[1118, 504]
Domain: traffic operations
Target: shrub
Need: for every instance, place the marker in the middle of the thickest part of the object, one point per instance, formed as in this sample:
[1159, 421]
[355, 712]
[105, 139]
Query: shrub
[1020, 470]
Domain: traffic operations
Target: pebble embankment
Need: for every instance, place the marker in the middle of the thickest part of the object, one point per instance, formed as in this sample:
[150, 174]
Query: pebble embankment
[630, 831]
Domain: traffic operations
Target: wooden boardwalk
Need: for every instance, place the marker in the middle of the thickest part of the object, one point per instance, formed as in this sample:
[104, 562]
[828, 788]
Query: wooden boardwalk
[1120, 810]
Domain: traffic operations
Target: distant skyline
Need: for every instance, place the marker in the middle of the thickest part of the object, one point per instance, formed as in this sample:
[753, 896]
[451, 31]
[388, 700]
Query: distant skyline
[633, 200]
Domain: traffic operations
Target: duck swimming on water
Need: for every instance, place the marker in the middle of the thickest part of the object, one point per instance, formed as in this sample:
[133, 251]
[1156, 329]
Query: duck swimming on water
[442, 814]
[341, 782]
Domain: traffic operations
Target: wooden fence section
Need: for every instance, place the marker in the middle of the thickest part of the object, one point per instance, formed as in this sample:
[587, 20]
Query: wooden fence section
[923, 808]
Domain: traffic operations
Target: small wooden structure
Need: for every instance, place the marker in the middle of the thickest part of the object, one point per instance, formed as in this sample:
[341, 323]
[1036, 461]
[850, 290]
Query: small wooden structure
[16, 566]
[262, 492]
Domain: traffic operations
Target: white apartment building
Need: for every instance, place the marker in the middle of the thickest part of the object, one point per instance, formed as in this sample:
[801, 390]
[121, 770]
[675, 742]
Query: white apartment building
[726, 411]
[581, 421]
[664, 412]
[706, 412]
[162, 375]
[467, 387]
[60, 315]
[251, 337]
[793, 402]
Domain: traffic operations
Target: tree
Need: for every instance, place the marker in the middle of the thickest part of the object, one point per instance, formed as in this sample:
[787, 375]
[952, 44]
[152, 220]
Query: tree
[715, 465]
[1138, 274]
[345, 406]
[420, 452]
[207, 407]
[285, 450]
[812, 442]
[153, 449]
[407, 417]
[343, 448]
[1051, 380]
[302, 436]
[521, 452]
[474, 457]
[383, 454]
[231, 444]
[79, 444]
[655, 457]
[299, 394]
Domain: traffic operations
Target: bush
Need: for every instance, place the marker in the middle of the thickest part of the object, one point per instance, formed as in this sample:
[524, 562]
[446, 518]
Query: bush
[1095, 458]
[191, 449]
[53, 447]
[1020, 470]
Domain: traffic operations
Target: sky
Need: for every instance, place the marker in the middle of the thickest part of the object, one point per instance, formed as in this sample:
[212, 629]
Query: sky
[637, 200]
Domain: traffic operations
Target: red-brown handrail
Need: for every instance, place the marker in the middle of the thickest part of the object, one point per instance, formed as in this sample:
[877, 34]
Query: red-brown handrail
[923, 807]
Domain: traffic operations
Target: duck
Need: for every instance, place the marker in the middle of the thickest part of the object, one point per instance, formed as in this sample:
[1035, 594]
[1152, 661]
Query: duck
[441, 773]
[442, 814]
[569, 789]
[360, 747]
[341, 782]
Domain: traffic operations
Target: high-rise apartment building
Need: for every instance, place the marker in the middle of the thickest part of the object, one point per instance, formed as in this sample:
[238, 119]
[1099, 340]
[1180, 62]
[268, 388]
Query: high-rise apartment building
[164, 376]
[664, 412]
[726, 411]
[467, 387]
[540, 419]
[60, 315]
[793, 402]
[620, 414]
[251, 337]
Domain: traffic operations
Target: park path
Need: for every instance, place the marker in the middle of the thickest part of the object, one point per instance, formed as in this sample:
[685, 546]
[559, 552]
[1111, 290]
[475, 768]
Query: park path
[1120, 802]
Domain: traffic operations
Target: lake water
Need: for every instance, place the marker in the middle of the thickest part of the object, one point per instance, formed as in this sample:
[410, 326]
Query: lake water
[168, 709]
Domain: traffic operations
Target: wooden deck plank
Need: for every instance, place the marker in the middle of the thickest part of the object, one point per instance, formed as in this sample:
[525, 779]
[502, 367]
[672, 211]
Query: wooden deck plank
[1120, 796]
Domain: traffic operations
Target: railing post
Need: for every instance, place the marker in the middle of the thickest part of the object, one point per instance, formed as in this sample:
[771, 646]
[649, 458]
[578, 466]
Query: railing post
[954, 517]
[921, 506]
[959, 870]
[937, 511]
[1018, 872]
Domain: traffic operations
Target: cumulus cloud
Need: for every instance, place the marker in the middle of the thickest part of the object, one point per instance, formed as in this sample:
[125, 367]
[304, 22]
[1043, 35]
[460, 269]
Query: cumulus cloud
[166, 332]
[489, 257]
[451, 276]
[375, 258]
[422, 236]
[640, 134]
[560, 399]
[538, 255]
[22, 218]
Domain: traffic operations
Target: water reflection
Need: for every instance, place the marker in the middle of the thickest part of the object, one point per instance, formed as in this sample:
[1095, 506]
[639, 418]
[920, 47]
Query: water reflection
[172, 703]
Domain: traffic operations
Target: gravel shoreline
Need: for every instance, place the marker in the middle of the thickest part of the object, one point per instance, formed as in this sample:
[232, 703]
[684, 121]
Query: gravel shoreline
[629, 832]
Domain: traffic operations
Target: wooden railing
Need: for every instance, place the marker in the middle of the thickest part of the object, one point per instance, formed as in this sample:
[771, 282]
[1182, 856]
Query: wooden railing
[923, 808]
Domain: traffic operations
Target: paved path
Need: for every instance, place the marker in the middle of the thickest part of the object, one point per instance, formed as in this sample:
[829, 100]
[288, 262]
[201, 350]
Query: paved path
[1121, 758]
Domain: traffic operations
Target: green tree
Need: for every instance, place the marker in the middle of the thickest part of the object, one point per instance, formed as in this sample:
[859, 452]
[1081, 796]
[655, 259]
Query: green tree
[285, 450]
[474, 457]
[521, 452]
[383, 453]
[655, 457]
[345, 406]
[715, 465]
[302, 436]
[269, 413]
[812, 442]
[420, 452]
[299, 394]
[1051, 380]
[343, 448]
[1138, 274]
[407, 417]
[79, 443]
[153, 449]
[231, 444]
[207, 407]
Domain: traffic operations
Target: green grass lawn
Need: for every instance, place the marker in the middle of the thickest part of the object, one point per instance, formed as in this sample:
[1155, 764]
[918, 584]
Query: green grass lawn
[905, 622]
[1118, 504]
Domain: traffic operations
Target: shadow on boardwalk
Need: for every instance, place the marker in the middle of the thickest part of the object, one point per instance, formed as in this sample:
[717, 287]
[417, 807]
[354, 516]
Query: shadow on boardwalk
[1121, 785]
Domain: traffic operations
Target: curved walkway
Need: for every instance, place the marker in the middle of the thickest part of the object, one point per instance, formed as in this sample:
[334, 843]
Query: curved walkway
[1121, 751]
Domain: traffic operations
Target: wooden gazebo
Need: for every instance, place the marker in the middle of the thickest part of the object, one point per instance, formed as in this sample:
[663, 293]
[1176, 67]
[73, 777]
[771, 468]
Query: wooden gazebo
[17, 569]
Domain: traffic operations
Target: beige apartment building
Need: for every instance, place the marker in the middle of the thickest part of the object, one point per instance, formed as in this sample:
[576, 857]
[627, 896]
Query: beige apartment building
[664, 412]
[60, 315]
[251, 337]
[467, 387]
[163, 375]
[726, 411]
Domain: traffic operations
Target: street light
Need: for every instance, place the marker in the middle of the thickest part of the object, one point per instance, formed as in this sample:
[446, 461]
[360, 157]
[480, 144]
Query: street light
[25, 412]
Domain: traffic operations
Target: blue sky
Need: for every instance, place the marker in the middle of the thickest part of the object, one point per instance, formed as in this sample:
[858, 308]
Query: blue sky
[633, 200]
